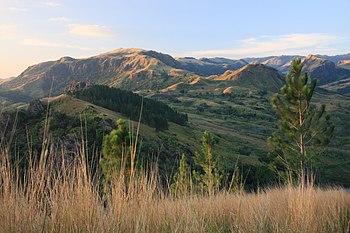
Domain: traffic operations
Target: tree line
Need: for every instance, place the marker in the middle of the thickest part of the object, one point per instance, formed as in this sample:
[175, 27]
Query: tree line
[154, 113]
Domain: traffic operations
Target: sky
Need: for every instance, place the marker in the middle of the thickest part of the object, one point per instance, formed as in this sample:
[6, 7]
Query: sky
[33, 31]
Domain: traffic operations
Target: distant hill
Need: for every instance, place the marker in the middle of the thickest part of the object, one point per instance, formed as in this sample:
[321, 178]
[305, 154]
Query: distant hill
[254, 75]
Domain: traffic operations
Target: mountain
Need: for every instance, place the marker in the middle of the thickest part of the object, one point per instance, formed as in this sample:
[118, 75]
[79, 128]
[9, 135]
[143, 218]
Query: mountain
[281, 63]
[210, 66]
[336, 58]
[324, 70]
[126, 68]
[132, 69]
[138, 69]
[254, 75]
[327, 69]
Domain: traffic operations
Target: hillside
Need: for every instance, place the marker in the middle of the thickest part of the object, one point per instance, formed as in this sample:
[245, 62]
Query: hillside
[126, 68]
[254, 75]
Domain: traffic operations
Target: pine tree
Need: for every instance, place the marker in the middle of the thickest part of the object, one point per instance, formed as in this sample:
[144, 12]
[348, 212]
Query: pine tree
[209, 177]
[302, 125]
[182, 185]
[115, 152]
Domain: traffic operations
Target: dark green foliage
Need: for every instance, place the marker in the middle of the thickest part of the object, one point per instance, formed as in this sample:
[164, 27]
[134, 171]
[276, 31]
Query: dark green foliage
[26, 132]
[302, 125]
[207, 175]
[115, 152]
[154, 113]
[182, 185]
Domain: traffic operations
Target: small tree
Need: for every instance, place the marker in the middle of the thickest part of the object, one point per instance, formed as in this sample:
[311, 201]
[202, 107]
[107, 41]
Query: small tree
[115, 151]
[302, 125]
[209, 177]
[182, 185]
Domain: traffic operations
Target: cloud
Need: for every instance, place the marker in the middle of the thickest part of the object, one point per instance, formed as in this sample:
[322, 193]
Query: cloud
[8, 27]
[92, 30]
[51, 4]
[7, 31]
[59, 19]
[13, 9]
[277, 45]
[44, 43]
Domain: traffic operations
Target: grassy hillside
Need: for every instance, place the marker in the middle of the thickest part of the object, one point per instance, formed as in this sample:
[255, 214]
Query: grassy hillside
[255, 76]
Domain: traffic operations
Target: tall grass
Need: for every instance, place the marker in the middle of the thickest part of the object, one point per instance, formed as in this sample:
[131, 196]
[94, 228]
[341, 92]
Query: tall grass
[66, 198]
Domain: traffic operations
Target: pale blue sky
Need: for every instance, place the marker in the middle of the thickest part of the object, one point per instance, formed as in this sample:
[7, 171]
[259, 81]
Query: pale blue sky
[35, 31]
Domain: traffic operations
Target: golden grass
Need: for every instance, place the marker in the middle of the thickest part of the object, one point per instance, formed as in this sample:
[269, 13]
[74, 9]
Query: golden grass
[67, 199]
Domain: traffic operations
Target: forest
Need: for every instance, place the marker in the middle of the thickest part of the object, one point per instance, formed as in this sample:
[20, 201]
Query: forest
[154, 113]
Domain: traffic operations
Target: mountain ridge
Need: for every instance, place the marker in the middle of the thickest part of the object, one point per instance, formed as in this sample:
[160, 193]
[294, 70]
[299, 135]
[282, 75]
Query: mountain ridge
[139, 69]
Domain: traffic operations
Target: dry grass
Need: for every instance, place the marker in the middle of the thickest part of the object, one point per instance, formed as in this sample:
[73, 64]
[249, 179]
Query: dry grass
[67, 199]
